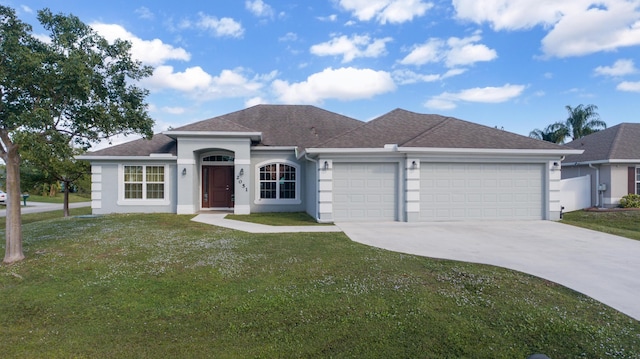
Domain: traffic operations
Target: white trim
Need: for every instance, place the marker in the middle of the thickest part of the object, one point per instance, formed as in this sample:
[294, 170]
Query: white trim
[125, 158]
[186, 162]
[438, 150]
[257, 136]
[242, 162]
[287, 201]
[274, 148]
[143, 202]
[165, 155]
[96, 204]
[599, 162]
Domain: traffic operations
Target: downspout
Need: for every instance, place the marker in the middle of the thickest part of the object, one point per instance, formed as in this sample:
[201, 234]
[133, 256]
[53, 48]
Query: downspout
[597, 184]
[306, 157]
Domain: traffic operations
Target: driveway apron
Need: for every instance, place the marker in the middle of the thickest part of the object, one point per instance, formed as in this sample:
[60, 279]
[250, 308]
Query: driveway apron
[602, 266]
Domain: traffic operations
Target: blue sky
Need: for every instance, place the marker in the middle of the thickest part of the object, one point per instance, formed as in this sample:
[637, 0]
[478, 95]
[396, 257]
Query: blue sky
[514, 64]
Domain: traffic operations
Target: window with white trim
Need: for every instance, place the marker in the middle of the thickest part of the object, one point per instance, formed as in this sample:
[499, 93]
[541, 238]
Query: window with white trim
[144, 182]
[637, 180]
[278, 183]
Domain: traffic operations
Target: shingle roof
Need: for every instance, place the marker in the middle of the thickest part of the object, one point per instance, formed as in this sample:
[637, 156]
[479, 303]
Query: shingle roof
[619, 142]
[410, 129]
[281, 125]
[159, 143]
[308, 126]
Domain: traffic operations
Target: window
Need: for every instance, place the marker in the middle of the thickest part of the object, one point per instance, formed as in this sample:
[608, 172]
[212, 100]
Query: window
[637, 180]
[144, 182]
[278, 183]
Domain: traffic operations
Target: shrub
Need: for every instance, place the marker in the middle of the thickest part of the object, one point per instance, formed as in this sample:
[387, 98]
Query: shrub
[630, 201]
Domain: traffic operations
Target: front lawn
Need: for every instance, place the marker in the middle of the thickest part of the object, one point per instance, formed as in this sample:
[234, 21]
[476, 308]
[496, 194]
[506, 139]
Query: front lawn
[161, 286]
[620, 223]
[59, 198]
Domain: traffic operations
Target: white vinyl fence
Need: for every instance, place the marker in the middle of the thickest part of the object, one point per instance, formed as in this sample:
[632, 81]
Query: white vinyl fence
[575, 193]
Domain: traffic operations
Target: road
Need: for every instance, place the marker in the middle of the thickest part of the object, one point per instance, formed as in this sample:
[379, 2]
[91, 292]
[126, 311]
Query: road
[36, 207]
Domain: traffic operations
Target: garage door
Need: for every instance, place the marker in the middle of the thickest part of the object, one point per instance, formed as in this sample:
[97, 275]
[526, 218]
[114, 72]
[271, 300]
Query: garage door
[480, 191]
[364, 192]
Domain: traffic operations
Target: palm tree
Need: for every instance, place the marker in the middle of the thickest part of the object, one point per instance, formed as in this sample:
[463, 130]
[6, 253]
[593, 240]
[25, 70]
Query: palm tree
[582, 121]
[555, 133]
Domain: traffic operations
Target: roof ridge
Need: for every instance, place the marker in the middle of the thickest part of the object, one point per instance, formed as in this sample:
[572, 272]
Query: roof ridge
[431, 129]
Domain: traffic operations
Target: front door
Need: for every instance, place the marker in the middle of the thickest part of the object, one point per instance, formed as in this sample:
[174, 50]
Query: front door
[217, 186]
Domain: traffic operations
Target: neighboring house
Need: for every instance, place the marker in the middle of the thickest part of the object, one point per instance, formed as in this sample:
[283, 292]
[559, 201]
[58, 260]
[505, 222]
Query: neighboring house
[612, 158]
[402, 166]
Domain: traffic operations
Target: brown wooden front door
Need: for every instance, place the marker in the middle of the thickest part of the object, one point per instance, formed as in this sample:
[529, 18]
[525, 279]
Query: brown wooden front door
[217, 186]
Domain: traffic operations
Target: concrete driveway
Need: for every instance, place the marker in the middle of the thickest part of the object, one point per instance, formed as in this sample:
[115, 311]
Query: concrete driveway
[602, 266]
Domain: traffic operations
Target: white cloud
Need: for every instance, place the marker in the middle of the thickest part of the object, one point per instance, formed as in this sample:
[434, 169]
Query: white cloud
[220, 27]
[26, 9]
[255, 101]
[466, 52]
[197, 83]
[406, 77]
[620, 68]
[289, 36]
[453, 52]
[575, 27]
[144, 13]
[629, 86]
[191, 79]
[342, 84]
[173, 110]
[383, 11]
[259, 8]
[330, 18]
[351, 48]
[448, 100]
[151, 52]
[429, 52]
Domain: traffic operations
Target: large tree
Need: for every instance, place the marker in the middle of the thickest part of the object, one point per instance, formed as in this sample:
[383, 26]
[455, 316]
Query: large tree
[583, 121]
[76, 88]
[53, 161]
[555, 133]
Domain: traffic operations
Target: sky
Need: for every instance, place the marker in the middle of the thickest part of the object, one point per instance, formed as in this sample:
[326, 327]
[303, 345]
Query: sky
[511, 64]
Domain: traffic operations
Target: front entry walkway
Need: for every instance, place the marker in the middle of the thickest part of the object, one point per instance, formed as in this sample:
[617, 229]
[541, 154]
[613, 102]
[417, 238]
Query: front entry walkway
[217, 219]
[602, 266]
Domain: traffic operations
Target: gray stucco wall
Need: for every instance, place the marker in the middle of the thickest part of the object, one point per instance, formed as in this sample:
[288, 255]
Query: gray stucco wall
[311, 190]
[260, 157]
[107, 189]
[614, 176]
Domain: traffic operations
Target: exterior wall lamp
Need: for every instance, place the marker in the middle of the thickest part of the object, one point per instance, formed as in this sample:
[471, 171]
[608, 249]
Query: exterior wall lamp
[326, 165]
[414, 165]
[184, 171]
[241, 173]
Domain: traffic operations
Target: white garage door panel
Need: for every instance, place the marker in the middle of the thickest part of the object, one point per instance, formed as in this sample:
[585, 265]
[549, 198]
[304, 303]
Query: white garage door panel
[364, 192]
[480, 191]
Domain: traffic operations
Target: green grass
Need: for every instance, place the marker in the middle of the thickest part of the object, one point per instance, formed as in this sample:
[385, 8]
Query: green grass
[620, 223]
[161, 286]
[43, 216]
[59, 198]
[276, 219]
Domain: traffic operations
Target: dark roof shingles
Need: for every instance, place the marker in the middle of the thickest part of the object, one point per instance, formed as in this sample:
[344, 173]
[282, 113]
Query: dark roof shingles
[619, 142]
[410, 129]
[159, 143]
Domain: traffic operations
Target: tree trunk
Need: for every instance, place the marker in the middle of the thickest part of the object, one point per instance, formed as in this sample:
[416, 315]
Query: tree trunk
[13, 233]
[66, 198]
